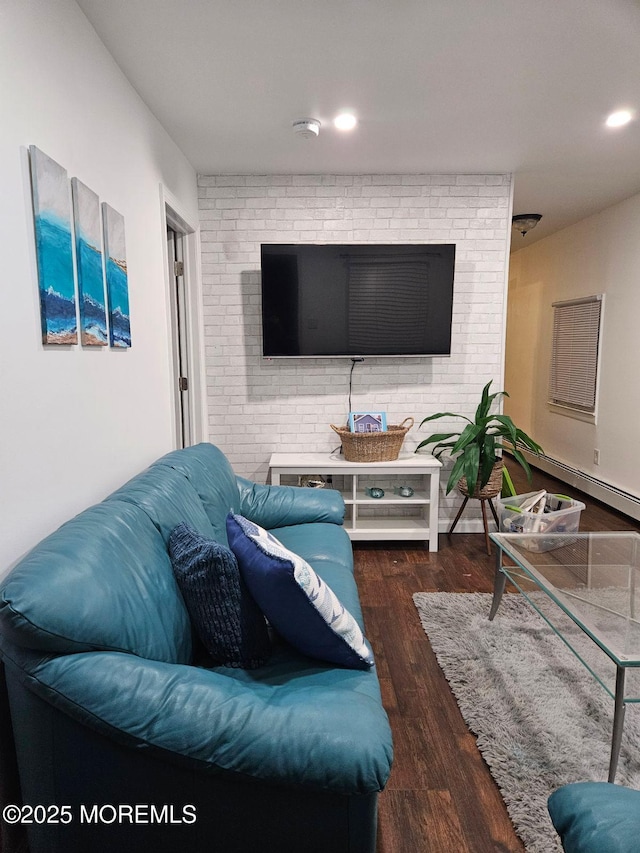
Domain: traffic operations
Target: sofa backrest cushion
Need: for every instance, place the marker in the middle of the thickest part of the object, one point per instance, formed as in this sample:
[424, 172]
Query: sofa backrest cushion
[102, 581]
[207, 469]
[168, 499]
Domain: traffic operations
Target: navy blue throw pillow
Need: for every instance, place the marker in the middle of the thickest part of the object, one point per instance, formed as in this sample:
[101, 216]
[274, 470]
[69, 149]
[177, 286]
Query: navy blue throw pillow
[224, 615]
[299, 605]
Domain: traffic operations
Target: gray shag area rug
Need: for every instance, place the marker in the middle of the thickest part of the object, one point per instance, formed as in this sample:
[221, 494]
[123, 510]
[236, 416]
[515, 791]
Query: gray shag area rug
[540, 718]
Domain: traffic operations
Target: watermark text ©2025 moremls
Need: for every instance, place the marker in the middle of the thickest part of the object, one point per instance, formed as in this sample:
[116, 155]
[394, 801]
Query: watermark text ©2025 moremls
[106, 813]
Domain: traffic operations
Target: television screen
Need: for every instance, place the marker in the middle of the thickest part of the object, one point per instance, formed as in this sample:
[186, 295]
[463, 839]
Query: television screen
[356, 300]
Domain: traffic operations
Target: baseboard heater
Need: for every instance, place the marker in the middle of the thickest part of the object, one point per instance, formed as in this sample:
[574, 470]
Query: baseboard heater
[610, 495]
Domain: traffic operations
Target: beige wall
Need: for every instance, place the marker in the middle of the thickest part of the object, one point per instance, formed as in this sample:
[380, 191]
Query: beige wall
[601, 254]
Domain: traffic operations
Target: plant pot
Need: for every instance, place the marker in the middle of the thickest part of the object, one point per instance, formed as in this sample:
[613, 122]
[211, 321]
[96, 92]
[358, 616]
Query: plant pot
[490, 489]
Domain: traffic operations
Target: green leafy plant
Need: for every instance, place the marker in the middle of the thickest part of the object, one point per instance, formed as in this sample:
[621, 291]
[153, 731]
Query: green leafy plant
[475, 447]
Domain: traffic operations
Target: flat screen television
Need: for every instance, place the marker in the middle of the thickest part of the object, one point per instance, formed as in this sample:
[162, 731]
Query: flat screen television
[356, 300]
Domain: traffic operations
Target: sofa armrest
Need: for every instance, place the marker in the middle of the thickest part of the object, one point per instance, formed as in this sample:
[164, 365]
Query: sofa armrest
[281, 506]
[329, 733]
[596, 817]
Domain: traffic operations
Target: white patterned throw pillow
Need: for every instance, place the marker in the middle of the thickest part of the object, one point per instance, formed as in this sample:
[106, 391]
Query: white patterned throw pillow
[296, 601]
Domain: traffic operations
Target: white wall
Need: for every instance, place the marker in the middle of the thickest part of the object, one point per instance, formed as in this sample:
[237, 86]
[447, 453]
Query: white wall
[257, 407]
[76, 422]
[601, 254]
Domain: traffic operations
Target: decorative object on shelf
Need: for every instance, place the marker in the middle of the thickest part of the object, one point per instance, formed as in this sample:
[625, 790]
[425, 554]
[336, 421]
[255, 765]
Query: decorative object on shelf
[374, 492]
[403, 491]
[373, 446]
[477, 470]
[368, 421]
[313, 481]
[524, 222]
[54, 252]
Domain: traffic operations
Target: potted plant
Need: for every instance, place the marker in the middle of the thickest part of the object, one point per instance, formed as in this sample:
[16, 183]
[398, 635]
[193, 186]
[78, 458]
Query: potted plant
[477, 467]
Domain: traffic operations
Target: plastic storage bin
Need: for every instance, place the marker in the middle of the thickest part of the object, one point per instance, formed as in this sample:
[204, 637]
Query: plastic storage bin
[565, 519]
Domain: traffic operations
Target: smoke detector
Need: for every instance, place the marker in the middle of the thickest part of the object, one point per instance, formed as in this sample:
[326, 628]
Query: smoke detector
[307, 128]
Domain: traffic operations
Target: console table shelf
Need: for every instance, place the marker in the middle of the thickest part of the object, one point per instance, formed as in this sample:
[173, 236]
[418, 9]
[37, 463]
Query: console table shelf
[383, 524]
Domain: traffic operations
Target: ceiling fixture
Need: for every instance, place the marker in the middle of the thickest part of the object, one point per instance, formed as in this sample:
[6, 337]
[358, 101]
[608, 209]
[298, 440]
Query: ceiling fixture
[619, 118]
[524, 222]
[307, 128]
[345, 121]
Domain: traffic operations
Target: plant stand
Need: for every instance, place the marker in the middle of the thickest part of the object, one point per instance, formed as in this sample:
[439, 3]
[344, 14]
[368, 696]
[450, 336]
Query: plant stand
[484, 518]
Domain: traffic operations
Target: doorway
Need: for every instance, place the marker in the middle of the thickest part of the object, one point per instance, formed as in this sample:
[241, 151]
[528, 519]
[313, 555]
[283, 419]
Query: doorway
[175, 257]
[184, 307]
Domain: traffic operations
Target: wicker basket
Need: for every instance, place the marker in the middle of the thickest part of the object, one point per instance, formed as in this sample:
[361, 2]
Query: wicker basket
[373, 446]
[491, 488]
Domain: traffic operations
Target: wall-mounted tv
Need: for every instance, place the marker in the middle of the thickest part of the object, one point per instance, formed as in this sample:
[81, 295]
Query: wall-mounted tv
[356, 300]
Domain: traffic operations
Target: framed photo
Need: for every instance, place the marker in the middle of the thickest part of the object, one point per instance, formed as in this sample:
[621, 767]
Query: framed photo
[368, 421]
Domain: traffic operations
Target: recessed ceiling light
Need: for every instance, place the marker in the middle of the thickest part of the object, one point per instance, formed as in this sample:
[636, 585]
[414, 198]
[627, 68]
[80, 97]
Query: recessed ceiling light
[345, 121]
[619, 118]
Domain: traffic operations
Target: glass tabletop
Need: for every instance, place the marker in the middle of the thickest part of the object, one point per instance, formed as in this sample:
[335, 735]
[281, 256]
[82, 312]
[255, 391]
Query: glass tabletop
[593, 577]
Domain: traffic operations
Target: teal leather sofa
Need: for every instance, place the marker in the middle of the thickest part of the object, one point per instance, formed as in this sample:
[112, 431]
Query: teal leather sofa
[111, 709]
[596, 817]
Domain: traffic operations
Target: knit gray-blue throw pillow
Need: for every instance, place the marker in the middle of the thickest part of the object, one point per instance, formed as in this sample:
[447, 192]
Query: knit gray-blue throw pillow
[224, 615]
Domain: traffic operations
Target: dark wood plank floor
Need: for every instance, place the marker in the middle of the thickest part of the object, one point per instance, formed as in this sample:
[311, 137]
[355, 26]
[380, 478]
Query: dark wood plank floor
[441, 797]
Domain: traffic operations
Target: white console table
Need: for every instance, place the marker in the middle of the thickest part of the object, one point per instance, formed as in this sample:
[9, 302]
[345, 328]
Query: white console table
[387, 525]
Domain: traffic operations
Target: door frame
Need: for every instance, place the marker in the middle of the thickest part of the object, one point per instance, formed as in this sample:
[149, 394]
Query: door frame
[175, 217]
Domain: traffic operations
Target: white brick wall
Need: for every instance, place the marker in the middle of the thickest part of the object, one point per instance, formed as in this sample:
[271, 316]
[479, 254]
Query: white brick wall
[257, 407]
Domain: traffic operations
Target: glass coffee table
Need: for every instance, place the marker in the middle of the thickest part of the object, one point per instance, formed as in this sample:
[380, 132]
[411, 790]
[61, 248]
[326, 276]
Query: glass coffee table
[594, 578]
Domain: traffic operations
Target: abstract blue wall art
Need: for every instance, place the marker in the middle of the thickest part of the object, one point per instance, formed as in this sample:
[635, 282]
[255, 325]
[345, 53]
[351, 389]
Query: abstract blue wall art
[93, 312]
[54, 250]
[117, 283]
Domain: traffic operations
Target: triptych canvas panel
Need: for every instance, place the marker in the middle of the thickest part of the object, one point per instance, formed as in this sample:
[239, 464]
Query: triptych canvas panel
[93, 314]
[52, 218]
[117, 281]
[93, 225]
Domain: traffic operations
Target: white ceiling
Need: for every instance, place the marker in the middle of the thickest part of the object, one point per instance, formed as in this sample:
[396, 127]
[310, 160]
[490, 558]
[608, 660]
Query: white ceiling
[458, 86]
